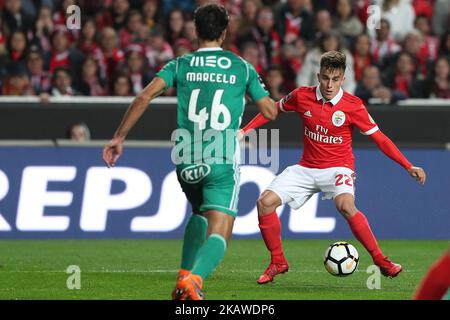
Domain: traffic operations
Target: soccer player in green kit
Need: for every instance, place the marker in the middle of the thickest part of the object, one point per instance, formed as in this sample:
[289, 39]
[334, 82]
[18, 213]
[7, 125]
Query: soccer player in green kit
[211, 86]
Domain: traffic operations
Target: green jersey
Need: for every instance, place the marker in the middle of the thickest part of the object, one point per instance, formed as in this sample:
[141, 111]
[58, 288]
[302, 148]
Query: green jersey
[211, 87]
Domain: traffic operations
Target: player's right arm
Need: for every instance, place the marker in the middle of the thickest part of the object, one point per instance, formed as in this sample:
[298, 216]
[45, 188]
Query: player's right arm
[113, 150]
[165, 79]
[285, 104]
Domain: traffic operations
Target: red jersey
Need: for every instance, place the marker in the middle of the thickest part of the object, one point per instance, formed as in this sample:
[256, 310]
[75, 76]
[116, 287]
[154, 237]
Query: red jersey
[328, 125]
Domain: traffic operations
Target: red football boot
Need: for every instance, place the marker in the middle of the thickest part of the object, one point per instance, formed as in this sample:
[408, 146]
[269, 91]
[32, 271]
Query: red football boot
[387, 267]
[272, 270]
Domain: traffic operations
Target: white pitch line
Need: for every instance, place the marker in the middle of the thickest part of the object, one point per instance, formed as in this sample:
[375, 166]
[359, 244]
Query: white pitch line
[163, 271]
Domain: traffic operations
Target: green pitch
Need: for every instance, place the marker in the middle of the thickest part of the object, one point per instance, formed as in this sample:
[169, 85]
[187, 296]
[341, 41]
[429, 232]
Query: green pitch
[146, 269]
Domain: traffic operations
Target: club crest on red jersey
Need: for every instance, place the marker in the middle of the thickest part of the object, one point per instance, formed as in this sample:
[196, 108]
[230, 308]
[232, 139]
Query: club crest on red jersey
[338, 118]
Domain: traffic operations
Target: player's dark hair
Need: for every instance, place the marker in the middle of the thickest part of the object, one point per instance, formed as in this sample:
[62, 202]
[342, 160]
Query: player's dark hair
[333, 60]
[211, 20]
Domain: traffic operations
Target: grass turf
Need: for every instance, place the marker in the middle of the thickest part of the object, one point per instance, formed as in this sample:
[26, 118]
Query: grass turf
[146, 269]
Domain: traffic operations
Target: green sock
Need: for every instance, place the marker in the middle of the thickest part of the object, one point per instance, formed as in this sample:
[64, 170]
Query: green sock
[209, 255]
[194, 238]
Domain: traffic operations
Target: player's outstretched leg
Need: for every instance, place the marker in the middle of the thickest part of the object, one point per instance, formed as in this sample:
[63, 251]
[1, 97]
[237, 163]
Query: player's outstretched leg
[361, 230]
[208, 257]
[270, 227]
[194, 238]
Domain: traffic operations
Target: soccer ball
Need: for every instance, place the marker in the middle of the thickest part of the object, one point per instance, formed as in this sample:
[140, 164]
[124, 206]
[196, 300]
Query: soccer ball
[341, 259]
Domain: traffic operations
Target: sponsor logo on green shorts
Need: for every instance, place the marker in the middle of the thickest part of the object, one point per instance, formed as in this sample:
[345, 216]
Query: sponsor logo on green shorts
[195, 173]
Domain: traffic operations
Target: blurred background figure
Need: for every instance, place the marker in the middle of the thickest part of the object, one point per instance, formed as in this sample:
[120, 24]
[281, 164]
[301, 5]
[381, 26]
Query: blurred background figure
[62, 83]
[17, 82]
[121, 86]
[370, 87]
[330, 41]
[274, 81]
[40, 79]
[79, 132]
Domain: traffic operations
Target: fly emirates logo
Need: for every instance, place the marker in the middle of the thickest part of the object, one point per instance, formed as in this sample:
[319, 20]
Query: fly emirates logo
[320, 135]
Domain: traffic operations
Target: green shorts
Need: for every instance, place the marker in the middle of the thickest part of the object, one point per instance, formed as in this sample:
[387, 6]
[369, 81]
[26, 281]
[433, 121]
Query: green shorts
[210, 186]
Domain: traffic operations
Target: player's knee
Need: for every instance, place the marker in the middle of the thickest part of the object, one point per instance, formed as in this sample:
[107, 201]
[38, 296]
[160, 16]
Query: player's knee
[346, 208]
[265, 205]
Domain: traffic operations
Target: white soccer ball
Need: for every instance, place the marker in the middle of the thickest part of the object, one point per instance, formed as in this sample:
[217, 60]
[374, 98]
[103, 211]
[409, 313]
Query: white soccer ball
[341, 259]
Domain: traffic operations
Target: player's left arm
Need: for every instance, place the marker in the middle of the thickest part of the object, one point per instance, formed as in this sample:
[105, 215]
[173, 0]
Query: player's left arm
[361, 118]
[390, 149]
[113, 150]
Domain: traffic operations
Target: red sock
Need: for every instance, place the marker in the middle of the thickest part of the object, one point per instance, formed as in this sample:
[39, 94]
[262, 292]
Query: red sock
[361, 230]
[437, 281]
[270, 227]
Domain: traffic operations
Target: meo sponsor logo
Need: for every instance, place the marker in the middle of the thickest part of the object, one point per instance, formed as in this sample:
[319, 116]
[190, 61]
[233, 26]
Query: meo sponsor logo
[43, 190]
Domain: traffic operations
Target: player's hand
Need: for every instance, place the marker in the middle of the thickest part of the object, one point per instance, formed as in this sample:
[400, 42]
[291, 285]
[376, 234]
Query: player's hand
[112, 151]
[418, 173]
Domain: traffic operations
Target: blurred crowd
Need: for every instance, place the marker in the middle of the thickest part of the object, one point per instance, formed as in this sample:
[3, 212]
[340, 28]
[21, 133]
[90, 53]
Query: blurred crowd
[123, 43]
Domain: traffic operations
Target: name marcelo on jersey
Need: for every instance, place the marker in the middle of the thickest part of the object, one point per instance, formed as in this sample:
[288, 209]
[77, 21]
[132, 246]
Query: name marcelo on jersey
[210, 77]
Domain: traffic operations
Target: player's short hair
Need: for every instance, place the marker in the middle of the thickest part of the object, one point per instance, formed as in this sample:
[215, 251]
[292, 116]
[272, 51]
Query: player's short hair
[333, 60]
[211, 20]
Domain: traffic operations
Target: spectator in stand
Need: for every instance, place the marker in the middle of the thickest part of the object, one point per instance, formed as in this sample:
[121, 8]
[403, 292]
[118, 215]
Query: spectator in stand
[346, 22]
[361, 10]
[132, 33]
[190, 34]
[328, 42]
[266, 38]
[187, 6]
[39, 78]
[114, 16]
[175, 24]
[440, 20]
[63, 55]
[60, 19]
[122, 86]
[17, 82]
[87, 43]
[294, 19]
[17, 48]
[430, 43]
[274, 81]
[182, 46]
[44, 28]
[250, 53]
[233, 30]
[14, 18]
[361, 54]
[150, 11]
[423, 8]
[292, 57]
[371, 87]
[79, 132]
[249, 10]
[2, 41]
[62, 83]
[90, 83]
[414, 45]
[324, 23]
[383, 47]
[437, 84]
[400, 15]
[111, 57]
[444, 47]
[401, 77]
[158, 51]
[137, 69]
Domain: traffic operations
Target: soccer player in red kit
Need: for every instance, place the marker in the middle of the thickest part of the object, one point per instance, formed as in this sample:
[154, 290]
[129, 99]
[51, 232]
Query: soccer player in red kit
[327, 165]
